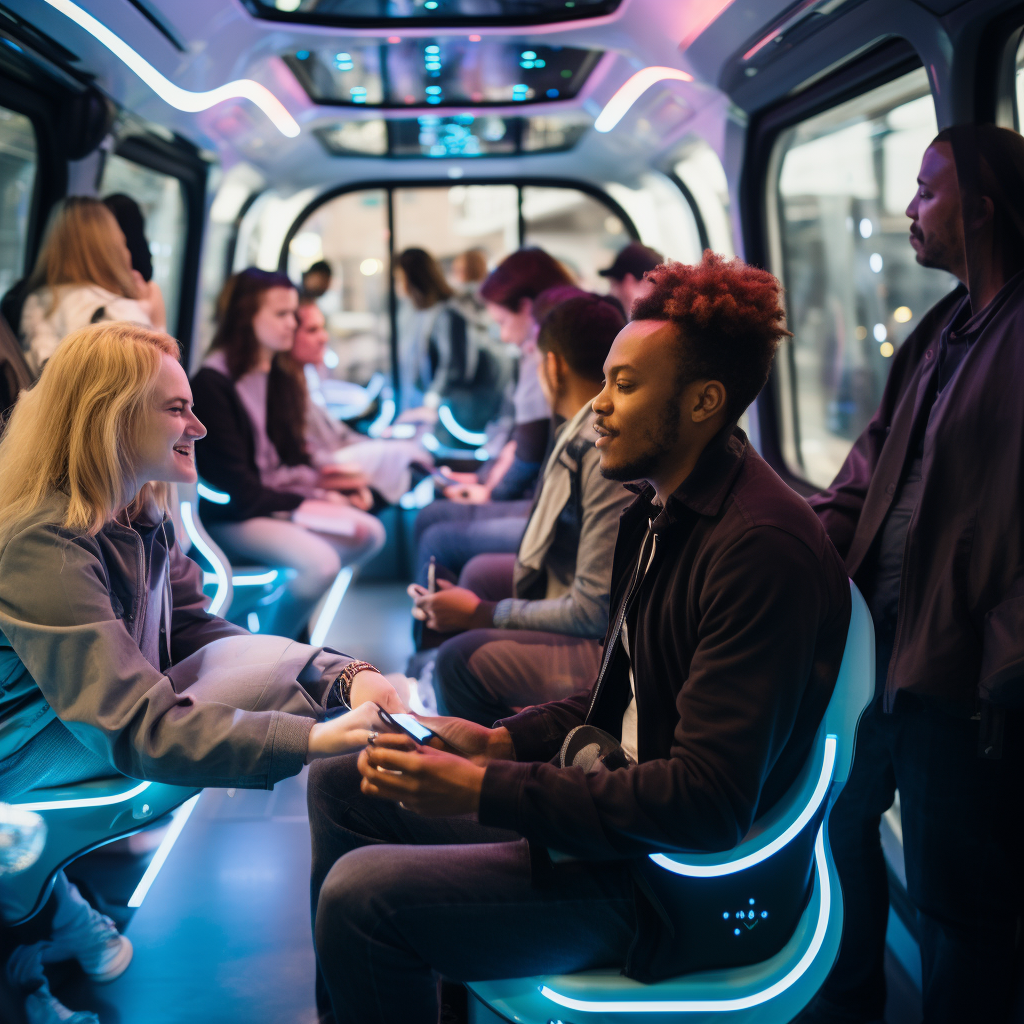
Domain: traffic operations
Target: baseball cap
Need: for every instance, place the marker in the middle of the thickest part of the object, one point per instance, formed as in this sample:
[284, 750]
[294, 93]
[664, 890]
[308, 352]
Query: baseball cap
[635, 259]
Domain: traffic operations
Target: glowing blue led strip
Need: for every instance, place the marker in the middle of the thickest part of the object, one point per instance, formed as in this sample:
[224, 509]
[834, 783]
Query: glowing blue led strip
[456, 429]
[86, 801]
[383, 420]
[731, 867]
[628, 93]
[331, 606]
[182, 99]
[219, 571]
[217, 497]
[721, 1005]
[174, 830]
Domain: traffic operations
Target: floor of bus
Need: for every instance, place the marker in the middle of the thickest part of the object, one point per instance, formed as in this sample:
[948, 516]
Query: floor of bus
[223, 934]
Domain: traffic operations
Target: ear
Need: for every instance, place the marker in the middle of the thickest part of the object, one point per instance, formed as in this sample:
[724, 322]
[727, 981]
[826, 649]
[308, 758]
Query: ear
[553, 370]
[709, 401]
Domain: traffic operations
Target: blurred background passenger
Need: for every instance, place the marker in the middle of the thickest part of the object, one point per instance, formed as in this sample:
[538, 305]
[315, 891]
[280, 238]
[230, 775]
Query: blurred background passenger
[534, 620]
[468, 272]
[83, 275]
[133, 225]
[284, 511]
[385, 462]
[626, 274]
[316, 281]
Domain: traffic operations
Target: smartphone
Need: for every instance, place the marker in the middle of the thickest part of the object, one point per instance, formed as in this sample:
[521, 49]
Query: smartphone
[414, 729]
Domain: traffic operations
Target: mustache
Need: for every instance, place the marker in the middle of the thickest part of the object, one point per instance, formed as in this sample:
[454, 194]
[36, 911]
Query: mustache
[600, 424]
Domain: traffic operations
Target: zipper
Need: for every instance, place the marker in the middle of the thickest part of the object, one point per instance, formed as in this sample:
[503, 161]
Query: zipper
[631, 592]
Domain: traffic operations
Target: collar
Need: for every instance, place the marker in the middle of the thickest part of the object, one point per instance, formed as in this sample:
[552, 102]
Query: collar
[704, 491]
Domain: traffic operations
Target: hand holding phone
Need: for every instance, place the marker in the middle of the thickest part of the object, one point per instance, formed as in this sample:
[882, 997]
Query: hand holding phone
[415, 730]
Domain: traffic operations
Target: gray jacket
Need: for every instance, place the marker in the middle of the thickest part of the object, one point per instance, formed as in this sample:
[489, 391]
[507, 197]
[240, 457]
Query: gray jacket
[563, 570]
[109, 634]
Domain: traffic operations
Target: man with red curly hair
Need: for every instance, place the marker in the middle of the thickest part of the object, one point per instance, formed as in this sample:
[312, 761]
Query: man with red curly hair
[730, 609]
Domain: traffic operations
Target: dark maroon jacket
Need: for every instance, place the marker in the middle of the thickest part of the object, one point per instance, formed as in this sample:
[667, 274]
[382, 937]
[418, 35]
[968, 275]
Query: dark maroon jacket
[960, 624]
[742, 621]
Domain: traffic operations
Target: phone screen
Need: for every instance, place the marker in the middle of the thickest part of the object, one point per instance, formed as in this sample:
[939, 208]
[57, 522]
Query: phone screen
[419, 732]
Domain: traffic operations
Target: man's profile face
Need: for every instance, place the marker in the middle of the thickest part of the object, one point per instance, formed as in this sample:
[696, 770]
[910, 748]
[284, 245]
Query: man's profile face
[936, 224]
[640, 409]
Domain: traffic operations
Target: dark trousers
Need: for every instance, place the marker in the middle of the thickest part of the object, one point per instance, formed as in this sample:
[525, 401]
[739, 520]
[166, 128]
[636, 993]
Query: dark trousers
[453, 533]
[396, 896]
[963, 818]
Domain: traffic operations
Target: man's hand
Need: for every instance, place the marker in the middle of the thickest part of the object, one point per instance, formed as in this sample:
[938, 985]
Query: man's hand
[454, 609]
[428, 781]
[468, 494]
[343, 734]
[478, 742]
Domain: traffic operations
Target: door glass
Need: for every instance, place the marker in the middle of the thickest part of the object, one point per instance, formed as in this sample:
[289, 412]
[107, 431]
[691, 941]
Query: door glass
[350, 233]
[854, 290]
[576, 229]
[17, 174]
[163, 207]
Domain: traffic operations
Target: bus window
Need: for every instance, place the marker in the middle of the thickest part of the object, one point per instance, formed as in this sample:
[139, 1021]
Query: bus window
[163, 206]
[448, 221]
[1018, 92]
[853, 288]
[575, 228]
[17, 174]
[702, 173]
[662, 215]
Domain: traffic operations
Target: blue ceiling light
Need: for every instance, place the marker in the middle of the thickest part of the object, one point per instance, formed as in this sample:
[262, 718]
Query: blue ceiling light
[302, 55]
[433, 90]
[552, 94]
[431, 5]
[432, 49]
[528, 55]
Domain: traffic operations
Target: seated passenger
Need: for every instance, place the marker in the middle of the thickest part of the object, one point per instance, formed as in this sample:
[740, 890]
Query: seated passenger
[535, 620]
[110, 663]
[283, 512]
[333, 446]
[730, 609]
[626, 274]
[133, 225]
[83, 275]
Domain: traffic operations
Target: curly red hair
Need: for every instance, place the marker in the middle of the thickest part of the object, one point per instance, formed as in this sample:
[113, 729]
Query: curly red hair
[730, 318]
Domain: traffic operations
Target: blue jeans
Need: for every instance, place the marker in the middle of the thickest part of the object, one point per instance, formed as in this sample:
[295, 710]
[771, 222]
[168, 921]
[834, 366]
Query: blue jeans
[395, 896]
[454, 533]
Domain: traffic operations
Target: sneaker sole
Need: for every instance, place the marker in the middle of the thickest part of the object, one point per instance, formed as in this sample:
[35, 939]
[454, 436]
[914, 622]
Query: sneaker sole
[118, 966]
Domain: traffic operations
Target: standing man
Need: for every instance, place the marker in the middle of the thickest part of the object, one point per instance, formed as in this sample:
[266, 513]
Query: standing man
[626, 275]
[927, 513]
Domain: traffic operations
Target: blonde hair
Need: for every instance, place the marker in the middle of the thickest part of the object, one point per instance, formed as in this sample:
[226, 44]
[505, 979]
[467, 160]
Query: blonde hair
[75, 433]
[83, 245]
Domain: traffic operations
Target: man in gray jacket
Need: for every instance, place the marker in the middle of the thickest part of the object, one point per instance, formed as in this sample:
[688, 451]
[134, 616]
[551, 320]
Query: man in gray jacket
[534, 620]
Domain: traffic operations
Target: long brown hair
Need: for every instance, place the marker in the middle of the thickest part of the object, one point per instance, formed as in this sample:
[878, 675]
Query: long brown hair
[76, 432]
[424, 279]
[239, 302]
[83, 245]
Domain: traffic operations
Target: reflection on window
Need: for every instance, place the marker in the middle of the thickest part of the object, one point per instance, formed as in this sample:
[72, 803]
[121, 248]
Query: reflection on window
[355, 138]
[576, 229]
[448, 12]
[17, 173]
[163, 207]
[351, 234]
[853, 288]
[440, 71]
[702, 173]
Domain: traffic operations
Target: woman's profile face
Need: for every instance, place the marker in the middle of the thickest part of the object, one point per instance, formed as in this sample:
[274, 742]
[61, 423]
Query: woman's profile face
[515, 327]
[275, 320]
[169, 429]
[310, 337]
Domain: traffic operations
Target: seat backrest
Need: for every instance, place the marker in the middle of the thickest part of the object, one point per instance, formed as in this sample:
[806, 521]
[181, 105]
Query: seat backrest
[825, 772]
[190, 532]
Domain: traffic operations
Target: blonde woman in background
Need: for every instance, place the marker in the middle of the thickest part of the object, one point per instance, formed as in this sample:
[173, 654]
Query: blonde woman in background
[83, 275]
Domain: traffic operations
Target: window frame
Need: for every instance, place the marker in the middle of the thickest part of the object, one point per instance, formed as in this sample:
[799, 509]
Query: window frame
[180, 161]
[759, 216]
[388, 186]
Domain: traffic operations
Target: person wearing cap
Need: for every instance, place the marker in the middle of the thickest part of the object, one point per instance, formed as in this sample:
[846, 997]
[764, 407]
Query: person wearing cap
[927, 515]
[626, 275]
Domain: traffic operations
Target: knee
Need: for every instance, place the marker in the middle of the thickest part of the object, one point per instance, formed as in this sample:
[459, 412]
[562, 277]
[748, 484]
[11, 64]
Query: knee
[347, 904]
[452, 675]
[371, 537]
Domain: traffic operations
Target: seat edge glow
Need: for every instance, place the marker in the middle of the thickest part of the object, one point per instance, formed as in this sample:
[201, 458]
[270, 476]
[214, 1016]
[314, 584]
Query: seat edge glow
[207, 552]
[182, 99]
[84, 801]
[456, 429]
[631, 90]
[731, 867]
[179, 818]
[722, 1005]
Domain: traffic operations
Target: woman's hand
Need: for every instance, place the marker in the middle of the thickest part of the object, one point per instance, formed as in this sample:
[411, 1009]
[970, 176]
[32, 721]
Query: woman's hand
[477, 742]
[343, 476]
[425, 780]
[372, 686]
[343, 734]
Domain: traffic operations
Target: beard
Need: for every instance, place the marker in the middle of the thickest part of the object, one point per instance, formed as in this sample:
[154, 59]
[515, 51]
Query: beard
[643, 462]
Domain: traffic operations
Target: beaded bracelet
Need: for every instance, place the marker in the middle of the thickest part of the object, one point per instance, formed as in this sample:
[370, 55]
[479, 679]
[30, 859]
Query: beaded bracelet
[347, 677]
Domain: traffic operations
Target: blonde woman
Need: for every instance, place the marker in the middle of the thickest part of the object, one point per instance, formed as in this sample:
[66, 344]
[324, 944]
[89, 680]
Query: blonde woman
[83, 275]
